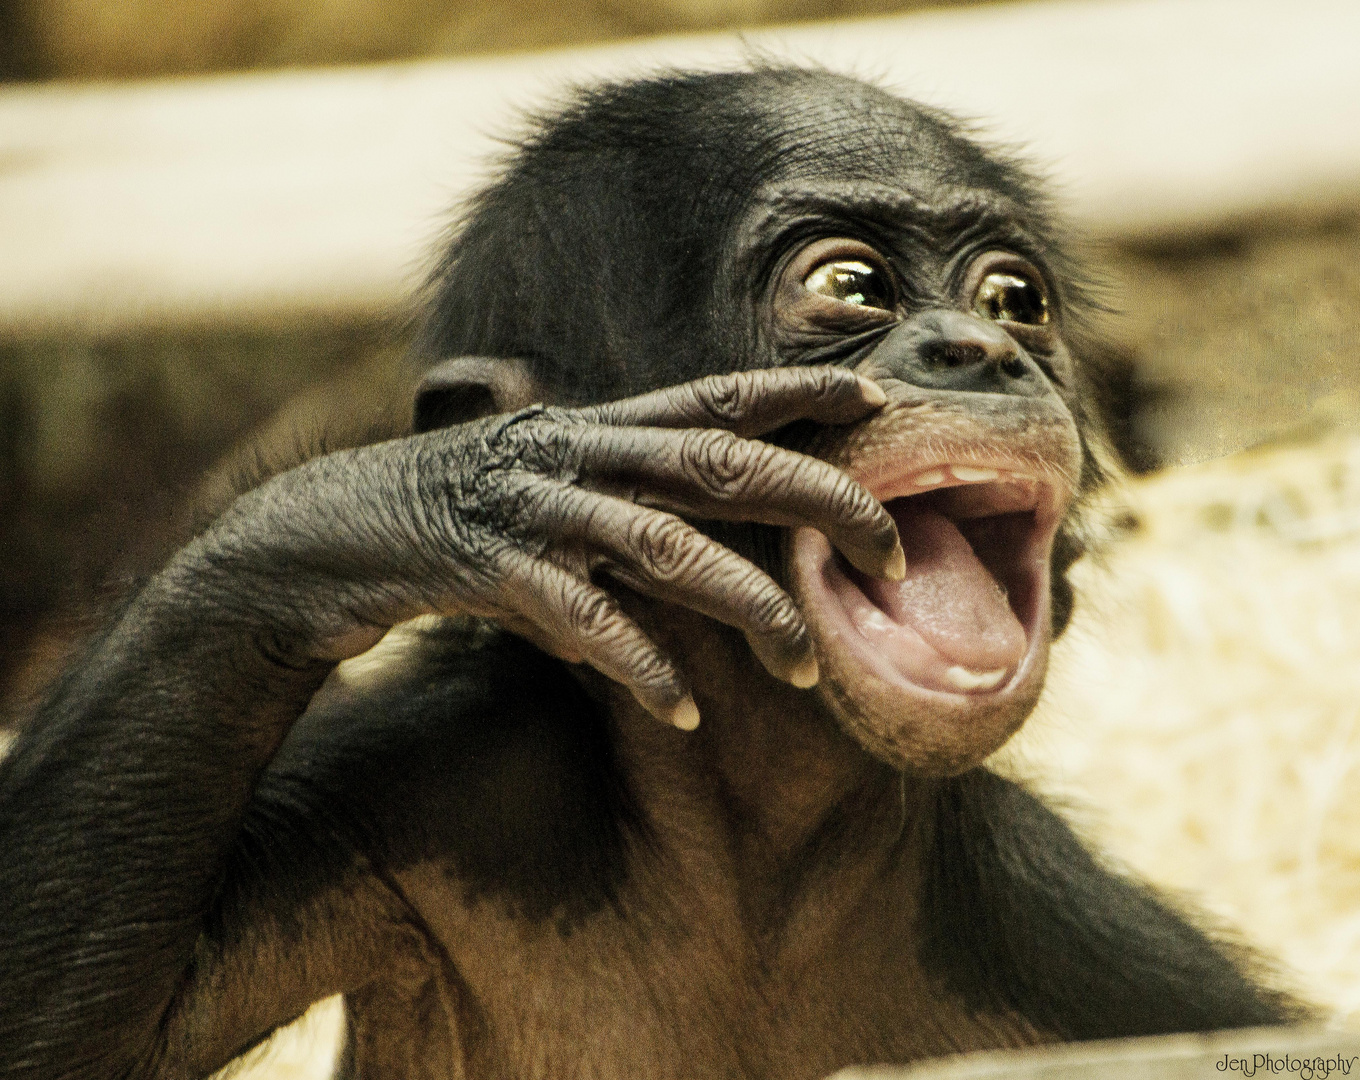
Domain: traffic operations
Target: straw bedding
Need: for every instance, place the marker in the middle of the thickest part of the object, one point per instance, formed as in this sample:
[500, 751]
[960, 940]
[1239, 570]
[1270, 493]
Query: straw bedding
[1203, 713]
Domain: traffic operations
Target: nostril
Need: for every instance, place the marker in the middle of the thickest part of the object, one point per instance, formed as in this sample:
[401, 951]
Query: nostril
[953, 353]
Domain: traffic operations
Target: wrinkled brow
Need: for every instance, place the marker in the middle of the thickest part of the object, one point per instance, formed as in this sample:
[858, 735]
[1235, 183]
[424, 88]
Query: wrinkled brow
[959, 215]
[948, 210]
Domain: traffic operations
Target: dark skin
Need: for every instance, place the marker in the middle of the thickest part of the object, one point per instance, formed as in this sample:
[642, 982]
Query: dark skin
[684, 778]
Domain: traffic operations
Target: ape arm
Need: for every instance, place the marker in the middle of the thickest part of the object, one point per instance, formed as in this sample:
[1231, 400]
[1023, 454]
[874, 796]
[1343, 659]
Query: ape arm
[1019, 916]
[120, 802]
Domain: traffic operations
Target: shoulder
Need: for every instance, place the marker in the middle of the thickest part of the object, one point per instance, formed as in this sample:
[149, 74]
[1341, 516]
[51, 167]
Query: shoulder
[1019, 914]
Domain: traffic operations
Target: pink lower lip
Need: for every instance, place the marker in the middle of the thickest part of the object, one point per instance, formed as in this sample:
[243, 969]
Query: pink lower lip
[947, 628]
[908, 662]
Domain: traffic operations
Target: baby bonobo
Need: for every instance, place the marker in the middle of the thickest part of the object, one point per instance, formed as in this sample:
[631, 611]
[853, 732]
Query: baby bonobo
[742, 492]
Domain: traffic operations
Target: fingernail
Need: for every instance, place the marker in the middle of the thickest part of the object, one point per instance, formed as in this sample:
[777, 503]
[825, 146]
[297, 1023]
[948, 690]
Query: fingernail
[685, 715]
[873, 393]
[895, 569]
[805, 674]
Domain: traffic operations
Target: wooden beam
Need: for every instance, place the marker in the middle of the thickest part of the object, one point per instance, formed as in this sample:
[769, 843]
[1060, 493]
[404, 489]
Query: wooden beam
[1264, 1052]
[267, 196]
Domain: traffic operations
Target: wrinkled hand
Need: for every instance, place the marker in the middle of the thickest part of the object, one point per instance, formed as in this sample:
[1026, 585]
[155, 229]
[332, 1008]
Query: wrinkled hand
[512, 517]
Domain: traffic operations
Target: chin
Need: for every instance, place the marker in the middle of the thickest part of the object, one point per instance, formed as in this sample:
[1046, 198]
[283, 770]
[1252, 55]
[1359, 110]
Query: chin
[935, 672]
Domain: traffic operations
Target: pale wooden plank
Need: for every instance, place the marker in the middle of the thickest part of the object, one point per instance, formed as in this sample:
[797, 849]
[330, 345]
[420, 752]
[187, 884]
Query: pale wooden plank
[1256, 1052]
[267, 195]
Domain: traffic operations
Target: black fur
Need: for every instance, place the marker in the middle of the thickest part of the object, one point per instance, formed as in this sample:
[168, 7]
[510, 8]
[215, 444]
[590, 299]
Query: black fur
[488, 757]
[1020, 915]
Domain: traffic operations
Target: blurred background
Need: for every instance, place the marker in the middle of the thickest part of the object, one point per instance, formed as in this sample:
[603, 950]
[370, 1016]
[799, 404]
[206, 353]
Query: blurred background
[94, 39]
[213, 214]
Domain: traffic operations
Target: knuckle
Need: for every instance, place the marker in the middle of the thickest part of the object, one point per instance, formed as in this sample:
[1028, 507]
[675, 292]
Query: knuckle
[770, 607]
[828, 383]
[487, 499]
[593, 613]
[537, 437]
[853, 501]
[726, 398]
[615, 645]
[778, 614]
[664, 543]
[867, 514]
[720, 460]
[648, 668]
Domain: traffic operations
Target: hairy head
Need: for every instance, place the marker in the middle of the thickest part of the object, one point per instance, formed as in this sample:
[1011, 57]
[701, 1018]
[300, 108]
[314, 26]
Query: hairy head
[656, 231]
[608, 238]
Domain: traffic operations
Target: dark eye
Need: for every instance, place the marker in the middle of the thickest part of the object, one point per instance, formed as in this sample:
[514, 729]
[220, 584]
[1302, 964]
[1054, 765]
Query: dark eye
[851, 281]
[1008, 297]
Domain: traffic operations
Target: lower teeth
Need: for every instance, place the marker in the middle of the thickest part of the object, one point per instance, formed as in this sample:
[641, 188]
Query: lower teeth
[963, 679]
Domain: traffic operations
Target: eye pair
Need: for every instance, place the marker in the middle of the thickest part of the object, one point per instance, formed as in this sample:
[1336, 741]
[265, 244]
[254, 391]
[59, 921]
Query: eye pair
[1002, 287]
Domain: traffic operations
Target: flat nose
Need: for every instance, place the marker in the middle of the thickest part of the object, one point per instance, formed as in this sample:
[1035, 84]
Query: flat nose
[951, 350]
[959, 340]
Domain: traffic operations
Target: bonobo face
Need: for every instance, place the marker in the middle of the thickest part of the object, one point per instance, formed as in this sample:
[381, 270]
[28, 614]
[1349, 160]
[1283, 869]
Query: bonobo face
[933, 287]
[665, 230]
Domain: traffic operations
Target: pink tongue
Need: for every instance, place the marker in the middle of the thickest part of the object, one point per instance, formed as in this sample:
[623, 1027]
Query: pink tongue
[948, 597]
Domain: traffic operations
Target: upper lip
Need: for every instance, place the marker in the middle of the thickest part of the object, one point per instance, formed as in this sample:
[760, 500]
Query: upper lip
[1039, 488]
[1005, 484]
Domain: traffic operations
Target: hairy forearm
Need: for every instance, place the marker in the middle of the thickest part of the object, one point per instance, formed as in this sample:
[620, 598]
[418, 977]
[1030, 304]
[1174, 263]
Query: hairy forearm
[117, 805]
[122, 798]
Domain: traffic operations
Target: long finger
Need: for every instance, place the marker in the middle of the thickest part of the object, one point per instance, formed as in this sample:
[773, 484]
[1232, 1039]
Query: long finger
[668, 559]
[715, 474]
[749, 402]
[576, 618]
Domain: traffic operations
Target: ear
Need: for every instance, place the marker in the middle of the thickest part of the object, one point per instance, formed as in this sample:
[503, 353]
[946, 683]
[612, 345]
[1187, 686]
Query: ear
[468, 387]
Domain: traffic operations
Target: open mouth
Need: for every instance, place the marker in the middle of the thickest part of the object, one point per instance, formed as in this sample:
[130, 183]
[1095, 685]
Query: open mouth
[972, 610]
